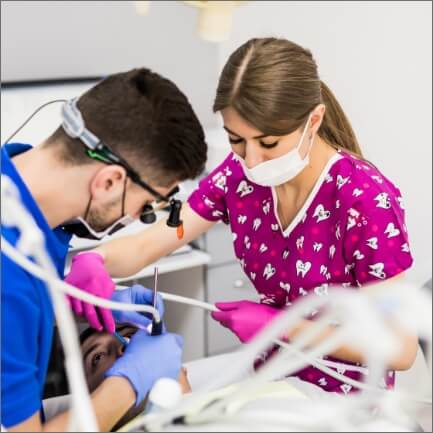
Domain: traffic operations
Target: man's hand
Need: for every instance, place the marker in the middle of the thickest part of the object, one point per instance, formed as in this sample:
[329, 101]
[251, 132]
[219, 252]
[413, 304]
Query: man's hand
[136, 295]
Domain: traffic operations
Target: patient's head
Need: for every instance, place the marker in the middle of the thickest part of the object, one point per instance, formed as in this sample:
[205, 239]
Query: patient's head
[100, 350]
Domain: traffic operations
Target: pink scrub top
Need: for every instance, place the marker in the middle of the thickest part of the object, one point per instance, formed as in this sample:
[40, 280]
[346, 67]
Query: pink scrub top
[350, 231]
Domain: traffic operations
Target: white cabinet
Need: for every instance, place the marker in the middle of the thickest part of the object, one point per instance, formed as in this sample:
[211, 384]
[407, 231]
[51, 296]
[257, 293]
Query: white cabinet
[225, 281]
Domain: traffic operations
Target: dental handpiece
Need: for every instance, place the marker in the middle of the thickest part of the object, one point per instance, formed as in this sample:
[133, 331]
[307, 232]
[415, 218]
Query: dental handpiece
[156, 326]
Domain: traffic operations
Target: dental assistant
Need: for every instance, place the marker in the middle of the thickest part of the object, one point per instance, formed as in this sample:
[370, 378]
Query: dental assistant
[305, 209]
[122, 113]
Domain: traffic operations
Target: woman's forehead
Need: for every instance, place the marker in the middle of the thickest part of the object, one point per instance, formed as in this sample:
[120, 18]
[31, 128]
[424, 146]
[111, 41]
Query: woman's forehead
[238, 125]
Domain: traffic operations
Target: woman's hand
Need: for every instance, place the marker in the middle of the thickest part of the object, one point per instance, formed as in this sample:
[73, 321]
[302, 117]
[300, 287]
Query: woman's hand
[88, 273]
[244, 318]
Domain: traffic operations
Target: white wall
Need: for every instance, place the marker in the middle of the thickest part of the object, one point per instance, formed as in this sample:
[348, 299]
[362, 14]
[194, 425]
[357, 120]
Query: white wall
[377, 58]
[17, 103]
[70, 39]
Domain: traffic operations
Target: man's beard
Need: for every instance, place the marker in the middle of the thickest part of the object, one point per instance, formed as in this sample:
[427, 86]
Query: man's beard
[96, 218]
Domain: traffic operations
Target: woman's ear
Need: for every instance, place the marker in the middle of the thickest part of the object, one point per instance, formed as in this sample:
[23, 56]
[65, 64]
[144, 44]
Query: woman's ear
[317, 118]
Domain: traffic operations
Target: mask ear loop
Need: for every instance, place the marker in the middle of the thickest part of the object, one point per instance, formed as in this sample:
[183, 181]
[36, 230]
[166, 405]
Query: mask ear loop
[87, 208]
[124, 196]
[303, 136]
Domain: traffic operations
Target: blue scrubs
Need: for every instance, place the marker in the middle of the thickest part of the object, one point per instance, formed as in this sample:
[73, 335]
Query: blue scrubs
[27, 316]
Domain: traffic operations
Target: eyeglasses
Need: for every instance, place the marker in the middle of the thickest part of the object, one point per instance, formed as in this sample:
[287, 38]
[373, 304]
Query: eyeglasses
[104, 154]
[148, 213]
[73, 124]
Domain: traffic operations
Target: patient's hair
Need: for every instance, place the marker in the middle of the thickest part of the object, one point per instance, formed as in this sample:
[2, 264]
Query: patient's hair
[144, 118]
[56, 383]
[88, 332]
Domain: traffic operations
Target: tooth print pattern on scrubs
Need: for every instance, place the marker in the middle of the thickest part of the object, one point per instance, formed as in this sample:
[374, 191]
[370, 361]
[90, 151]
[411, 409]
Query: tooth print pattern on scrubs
[350, 231]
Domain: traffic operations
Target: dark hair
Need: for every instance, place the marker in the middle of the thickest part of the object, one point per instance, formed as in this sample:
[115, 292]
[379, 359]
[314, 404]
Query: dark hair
[274, 85]
[88, 332]
[147, 120]
[56, 381]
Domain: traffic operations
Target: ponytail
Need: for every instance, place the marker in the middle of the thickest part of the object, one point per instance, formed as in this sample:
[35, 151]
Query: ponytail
[336, 129]
[274, 84]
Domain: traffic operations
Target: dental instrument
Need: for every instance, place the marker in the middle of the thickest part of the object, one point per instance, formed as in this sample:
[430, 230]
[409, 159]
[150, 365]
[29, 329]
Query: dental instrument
[156, 325]
[122, 339]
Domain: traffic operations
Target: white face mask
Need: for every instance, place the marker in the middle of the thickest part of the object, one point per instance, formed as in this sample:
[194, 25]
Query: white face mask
[279, 170]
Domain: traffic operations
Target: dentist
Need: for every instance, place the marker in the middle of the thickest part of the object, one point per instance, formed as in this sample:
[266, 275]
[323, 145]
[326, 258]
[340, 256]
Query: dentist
[92, 176]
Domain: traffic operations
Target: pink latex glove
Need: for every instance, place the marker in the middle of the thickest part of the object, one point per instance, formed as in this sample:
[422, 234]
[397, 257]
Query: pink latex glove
[89, 274]
[244, 318]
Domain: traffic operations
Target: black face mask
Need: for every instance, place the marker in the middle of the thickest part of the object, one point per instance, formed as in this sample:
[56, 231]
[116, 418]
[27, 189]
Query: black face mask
[82, 229]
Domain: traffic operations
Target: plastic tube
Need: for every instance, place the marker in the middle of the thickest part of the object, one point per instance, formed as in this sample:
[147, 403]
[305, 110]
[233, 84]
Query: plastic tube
[247, 353]
[188, 301]
[31, 241]
[246, 358]
[39, 272]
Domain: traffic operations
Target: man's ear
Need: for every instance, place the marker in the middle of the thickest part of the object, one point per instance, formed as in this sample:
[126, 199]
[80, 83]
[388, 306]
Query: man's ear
[108, 182]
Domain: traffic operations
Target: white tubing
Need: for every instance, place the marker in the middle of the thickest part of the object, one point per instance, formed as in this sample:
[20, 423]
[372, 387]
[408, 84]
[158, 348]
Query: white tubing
[247, 354]
[39, 272]
[270, 333]
[188, 301]
[322, 367]
[274, 369]
[31, 241]
[319, 364]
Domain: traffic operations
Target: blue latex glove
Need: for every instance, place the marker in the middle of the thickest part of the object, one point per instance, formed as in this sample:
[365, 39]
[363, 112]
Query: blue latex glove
[148, 359]
[136, 294]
